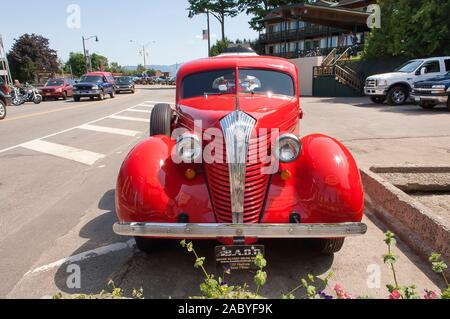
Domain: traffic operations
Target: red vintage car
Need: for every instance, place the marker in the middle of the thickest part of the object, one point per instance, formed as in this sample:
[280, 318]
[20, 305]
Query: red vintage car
[57, 88]
[228, 164]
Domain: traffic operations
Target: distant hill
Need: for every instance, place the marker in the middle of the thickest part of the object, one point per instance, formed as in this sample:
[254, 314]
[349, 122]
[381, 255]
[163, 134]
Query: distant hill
[162, 68]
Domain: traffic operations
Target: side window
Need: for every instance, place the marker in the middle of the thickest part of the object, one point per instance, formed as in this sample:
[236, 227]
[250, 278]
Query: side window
[447, 65]
[432, 67]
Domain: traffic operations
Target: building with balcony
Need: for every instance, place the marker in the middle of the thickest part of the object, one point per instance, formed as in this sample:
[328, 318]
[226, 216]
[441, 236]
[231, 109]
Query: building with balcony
[316, 28]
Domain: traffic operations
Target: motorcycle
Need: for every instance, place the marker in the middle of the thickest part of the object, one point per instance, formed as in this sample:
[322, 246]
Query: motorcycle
[27, 94]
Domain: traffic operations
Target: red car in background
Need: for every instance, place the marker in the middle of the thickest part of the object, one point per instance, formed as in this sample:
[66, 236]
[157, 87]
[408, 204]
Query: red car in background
[57, 88]
[228, 163]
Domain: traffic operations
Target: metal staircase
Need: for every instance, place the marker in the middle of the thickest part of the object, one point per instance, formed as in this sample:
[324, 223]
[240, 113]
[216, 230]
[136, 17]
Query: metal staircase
[334, 65]
[5, 72]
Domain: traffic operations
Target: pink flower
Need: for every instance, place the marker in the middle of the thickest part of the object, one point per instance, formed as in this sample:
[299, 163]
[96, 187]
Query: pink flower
[339, 291]
[395, 295]
[430, 295]
[348, 296]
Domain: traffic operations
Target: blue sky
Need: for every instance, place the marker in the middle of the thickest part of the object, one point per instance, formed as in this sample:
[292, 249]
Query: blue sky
[116, 23]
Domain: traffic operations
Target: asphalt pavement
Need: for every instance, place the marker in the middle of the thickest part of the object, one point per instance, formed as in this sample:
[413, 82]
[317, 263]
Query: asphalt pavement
[58, 166]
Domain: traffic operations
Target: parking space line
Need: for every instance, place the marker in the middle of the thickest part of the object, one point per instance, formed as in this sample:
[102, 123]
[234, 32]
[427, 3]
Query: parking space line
[127, 118]
[138, 111]
[83, 256]
[111, 130]
[63, 151]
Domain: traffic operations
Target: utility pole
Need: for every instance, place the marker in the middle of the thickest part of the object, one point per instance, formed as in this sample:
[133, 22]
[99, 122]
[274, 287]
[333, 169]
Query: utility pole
[86, 61]
[144, 50]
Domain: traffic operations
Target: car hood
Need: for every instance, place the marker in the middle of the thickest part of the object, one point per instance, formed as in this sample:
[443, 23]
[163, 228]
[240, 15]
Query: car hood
[89, 84]
[445, 80]
[269, 112]
[51, 87]
[388, 76]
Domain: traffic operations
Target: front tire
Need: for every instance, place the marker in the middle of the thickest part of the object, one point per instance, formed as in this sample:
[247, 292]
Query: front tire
[112, 94]
[328, 246]
[76, 98]
[448, 103]
[2, 110]
[64, 97]
[378, 99]
[149, 245]
[37, 99]
[161, 120]
[397, 95]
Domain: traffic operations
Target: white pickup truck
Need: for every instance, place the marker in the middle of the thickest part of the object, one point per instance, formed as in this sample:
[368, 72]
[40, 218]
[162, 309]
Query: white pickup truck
[395, 87]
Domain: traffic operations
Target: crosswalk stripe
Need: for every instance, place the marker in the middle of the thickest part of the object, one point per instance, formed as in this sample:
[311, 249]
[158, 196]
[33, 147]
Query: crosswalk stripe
[126, 118]
[111, 130]
[63, 151]
[138, 111]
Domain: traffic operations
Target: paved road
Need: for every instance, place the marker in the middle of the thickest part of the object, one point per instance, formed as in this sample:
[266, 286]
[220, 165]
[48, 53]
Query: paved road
[58, 165]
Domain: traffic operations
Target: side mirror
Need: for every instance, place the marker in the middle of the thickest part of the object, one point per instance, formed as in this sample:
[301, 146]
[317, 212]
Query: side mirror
[423, 71]
[223, 88]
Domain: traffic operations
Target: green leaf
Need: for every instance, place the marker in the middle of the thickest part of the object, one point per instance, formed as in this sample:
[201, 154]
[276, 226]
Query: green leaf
[260, 261]
[311, 278]
[199, 262]
[260, 278]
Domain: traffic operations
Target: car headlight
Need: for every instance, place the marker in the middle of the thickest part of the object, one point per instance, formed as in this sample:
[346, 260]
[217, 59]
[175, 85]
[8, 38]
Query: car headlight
[189, 148]
[381, 83]
[440, 87]
[288, 148]
[95, 87]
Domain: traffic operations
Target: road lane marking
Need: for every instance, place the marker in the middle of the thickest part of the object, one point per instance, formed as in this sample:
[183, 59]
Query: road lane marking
[110, 130]
[127, 118]
[61, 132]
[138, 111]
[84, 256]
[63, 151]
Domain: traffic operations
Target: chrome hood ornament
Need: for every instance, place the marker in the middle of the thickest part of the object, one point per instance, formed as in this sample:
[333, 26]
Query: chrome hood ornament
[237, 128]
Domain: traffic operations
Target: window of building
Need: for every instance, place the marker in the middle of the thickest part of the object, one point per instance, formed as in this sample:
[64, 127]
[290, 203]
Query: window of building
[334, 41]
[323, 43]
[301, 25]
[301, 45]
[292, 46]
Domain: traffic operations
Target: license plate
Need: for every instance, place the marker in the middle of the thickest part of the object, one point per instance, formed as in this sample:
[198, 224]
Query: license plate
[48, 94]
[237, 257]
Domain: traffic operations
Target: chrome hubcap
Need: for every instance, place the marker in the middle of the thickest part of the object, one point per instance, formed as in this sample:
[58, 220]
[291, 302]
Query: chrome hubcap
[2, 110]
[398, 96]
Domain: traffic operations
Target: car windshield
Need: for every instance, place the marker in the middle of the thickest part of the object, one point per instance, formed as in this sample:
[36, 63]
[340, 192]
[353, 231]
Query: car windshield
[252, 81]
[124, 80]
[91, 79]
[409, 66]
[54, 83]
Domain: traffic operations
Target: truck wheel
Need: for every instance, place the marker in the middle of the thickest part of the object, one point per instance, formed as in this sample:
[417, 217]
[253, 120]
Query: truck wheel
[101, 97]
[328, 246]
[378, 99]
[64, 97]
[161, 120]
[2, 110]
[112, 94]
[76, 98]
[427, 106]
[148, 245]
[448, 103]
[397, 95]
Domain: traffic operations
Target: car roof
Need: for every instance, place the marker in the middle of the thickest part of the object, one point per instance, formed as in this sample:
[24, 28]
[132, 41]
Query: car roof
[432, 58]
[232, 61]
[98, 73]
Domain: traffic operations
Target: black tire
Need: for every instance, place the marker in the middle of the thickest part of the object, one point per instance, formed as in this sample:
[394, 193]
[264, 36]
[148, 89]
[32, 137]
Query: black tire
[161, 120]
[328, 246]
[427, 106]
[76, 98]
[44, 99]
[378, 99]
[112, 94]
[448, 103]
[101, 97]
[2, 110]
[149, 245]
[397, 95]
[37, 100]
[64, 97]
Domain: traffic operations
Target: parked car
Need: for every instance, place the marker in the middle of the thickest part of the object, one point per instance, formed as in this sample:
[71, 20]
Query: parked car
[432, 92]
[395, 87]
[125, 84]
[183, 184]
[57, 88]
[5, 98]
[94, 85]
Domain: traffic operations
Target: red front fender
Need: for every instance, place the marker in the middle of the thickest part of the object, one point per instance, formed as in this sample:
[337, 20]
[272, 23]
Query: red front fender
[325, 186]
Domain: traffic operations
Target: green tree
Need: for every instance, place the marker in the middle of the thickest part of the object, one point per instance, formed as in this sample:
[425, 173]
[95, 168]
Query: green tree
[98, 61]
[31, 54]
[220, 9]
[411, 28]
[219, 47]
[76, 64]
[260, 8]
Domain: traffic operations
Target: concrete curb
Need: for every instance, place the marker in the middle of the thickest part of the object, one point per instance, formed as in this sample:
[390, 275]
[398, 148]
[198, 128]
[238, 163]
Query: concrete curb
[407, 218]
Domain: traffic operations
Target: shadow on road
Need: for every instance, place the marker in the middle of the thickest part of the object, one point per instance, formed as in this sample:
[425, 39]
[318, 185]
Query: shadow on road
[170, 273]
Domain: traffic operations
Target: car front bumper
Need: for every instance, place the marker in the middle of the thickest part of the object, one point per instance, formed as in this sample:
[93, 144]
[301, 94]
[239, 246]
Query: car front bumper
[190, 231]
[90, 93]
[438, 99]
[374, 91]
